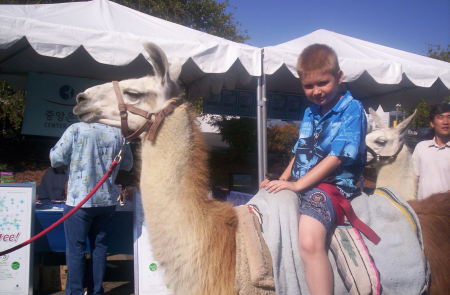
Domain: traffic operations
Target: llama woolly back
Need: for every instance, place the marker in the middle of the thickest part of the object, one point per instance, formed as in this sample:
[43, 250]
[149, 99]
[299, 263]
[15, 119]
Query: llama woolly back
[193, 237]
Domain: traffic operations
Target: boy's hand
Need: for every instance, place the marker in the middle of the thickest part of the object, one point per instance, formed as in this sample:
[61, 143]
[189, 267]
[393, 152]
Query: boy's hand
[275, 186]
[264, 183]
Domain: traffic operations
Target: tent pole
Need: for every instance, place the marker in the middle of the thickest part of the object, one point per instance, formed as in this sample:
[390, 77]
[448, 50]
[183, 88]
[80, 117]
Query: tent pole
[261, 118]
[264, 123]
[259, 129]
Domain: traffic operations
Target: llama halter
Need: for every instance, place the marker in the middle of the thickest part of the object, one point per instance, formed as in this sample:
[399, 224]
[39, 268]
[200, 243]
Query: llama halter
[153, 120]
[377, 158]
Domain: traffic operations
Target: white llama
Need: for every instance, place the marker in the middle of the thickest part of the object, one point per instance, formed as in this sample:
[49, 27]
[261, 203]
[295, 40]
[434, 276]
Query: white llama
[392, 158]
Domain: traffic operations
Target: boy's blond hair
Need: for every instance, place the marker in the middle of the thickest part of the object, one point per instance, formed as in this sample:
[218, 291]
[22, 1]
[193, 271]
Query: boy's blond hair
[318, 57]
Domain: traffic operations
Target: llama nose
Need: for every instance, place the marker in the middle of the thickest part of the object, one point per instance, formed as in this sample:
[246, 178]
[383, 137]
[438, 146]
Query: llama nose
[80, 98]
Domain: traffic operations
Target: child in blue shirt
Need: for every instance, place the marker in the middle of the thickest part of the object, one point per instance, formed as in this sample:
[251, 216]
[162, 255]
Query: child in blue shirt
[330, 150]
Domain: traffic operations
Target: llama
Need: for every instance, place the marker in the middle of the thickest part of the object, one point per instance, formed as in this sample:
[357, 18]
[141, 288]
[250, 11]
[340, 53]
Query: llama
[392, 158]
[176, 147]
[196, 242]
[433, 212]
[193, 236]
[434, 216]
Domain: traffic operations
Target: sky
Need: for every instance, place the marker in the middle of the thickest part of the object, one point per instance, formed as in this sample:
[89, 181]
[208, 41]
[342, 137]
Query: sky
[410, 25]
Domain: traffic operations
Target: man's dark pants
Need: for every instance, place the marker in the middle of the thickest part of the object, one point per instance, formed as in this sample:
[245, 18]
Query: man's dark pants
[89, 223]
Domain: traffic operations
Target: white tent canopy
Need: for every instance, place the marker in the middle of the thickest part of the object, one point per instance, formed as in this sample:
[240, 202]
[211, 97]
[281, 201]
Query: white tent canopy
[376, 74]
[103, 40]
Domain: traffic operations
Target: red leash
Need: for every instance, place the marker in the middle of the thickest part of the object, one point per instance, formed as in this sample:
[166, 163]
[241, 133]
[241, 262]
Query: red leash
[108, 173]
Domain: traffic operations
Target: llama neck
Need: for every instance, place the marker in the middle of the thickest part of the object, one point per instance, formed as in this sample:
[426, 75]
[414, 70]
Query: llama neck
[174, 166]
[399, 175]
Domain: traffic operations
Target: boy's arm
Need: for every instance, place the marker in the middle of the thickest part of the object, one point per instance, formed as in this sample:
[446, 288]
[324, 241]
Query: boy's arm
[313, 177]
[284, 176]
[287, 172]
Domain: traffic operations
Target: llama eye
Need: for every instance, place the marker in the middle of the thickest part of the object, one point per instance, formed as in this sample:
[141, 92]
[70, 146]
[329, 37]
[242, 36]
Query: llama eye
[133, 95]
[381, 141]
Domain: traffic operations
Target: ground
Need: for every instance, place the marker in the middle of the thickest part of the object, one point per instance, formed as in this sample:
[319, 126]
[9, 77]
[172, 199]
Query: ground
[119, 278]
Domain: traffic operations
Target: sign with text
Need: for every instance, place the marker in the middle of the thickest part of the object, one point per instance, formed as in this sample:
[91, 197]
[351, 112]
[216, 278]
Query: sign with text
[148, 274]
[16, 224]
[243, 103]
[49, 103]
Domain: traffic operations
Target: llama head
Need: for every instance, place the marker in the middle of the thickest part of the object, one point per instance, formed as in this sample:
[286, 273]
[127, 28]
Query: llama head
[386, 141]
[150, 93]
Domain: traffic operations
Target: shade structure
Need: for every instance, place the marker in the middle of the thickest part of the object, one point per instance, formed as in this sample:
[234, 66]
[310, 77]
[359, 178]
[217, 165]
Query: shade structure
[375, 74]
[103, 40]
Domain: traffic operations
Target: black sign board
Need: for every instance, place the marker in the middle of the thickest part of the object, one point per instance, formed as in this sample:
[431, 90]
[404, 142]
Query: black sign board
[243, 103]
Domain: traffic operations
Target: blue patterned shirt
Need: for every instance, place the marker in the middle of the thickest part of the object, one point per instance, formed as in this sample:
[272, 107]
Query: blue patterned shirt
[340, 132]
[88, 150]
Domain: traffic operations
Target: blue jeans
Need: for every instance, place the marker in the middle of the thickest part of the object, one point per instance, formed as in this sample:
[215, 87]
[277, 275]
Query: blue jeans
[91, 223]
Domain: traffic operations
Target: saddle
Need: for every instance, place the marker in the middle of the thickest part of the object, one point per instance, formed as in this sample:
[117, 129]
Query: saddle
[396, 265]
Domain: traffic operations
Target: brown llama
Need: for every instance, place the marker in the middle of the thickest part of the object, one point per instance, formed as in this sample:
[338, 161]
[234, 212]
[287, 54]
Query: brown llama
[434, 216]
[193, 237]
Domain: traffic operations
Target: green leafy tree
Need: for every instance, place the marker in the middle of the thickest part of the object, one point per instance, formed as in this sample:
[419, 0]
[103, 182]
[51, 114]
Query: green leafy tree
[421, 119]
[281, 139]
[239, 133]
[437, 52]
[11, 108]
[204, 15]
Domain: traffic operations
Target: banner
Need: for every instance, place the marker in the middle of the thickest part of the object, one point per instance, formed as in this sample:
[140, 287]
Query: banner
[49, 103]
[16, 224]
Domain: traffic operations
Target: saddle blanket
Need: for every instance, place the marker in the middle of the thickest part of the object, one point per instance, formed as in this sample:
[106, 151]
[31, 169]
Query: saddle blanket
[399, 255]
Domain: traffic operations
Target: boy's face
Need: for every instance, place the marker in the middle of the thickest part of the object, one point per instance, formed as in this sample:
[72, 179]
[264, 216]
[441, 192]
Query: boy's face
[322, 88]
[441, 124]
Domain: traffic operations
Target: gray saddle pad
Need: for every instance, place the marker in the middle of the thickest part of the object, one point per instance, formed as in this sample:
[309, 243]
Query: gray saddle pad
[399, 255]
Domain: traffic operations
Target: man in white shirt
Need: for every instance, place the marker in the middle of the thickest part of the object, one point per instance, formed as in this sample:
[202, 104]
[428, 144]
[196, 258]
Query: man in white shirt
[431, 158]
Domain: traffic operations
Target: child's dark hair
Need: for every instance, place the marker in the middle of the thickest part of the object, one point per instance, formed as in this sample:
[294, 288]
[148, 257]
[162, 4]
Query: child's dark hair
[439, 109]
[318, 57]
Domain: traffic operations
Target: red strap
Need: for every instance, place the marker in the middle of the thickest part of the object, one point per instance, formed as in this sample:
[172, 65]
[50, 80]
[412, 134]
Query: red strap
[343, 207]
[68, 214]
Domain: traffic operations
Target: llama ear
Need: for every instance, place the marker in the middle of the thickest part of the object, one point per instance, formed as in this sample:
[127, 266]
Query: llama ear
[401, 128]
[378, 122]
[158, 60]
[175, 69]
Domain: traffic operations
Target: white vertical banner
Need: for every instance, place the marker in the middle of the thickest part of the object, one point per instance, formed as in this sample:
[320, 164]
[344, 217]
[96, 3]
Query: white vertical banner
[16, 224]
[148, 274]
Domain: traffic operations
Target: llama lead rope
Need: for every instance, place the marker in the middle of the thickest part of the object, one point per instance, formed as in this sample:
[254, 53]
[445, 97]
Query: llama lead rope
[108, 173]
